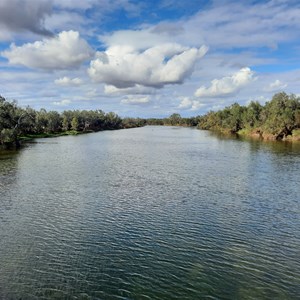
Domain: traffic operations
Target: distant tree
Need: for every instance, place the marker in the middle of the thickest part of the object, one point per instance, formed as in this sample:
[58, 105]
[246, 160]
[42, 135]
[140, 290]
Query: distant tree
[13, 121]
[175, 119]
[53, 121]
[280, 115]
[74, 124]
[65, 123]
[41, 121]
[251, 116]
[133, 122]
[112, 121]
[9, 121]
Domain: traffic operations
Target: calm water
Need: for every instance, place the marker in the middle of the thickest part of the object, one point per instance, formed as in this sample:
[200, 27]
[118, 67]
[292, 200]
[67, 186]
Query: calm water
[150, 213]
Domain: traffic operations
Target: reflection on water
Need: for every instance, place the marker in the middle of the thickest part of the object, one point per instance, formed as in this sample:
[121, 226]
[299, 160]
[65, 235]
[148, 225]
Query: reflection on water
[280, 147]
[150, 213]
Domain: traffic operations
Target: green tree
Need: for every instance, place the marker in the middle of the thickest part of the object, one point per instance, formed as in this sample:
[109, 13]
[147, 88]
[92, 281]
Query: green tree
[53, 121]
[41, 121]
[175, 119]
[74, 123]
[112, 121]
[251, 116]
[280, 115]
[65, 123]
[10, 118]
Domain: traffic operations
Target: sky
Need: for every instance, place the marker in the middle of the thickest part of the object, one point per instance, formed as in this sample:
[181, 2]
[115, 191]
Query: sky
[148, 58]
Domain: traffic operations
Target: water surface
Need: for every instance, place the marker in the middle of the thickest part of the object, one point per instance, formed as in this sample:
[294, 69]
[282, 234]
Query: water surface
[150, 213]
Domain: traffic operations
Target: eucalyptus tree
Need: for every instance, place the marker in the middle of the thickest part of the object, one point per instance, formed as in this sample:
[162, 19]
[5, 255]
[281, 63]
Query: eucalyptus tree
[13, 121]
[252, 114]
[112, 121]
[281, 115]
[54, 121]
[75, 123]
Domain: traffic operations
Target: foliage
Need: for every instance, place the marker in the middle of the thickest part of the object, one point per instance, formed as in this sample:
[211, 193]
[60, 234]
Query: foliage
[16, 122]
[277, 118]
[174, 120]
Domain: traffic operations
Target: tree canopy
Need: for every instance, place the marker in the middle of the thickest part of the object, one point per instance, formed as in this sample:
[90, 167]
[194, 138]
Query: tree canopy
[16, 122]
[277, 118]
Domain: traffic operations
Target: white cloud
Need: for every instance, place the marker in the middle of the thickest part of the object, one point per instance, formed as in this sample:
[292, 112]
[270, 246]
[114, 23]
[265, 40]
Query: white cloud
[135, 100]
[128, 65]
[275, 86]
[243, 24]
[227, 85]
[124, 66]
[65, 51]
[187, 103]
[197, 105]
[136, 90]
[138, 39]
[62, 103]
[66, 81]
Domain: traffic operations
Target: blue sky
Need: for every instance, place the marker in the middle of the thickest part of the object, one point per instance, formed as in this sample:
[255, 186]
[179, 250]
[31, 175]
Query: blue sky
[147, 58]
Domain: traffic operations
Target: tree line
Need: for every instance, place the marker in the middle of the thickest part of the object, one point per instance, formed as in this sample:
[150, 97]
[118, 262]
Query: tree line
[17, 123]
[277, 119]
[174, 120]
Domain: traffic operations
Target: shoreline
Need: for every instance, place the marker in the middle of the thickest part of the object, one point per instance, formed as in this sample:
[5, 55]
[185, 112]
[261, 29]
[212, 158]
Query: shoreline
[259, 134]
[30, 137]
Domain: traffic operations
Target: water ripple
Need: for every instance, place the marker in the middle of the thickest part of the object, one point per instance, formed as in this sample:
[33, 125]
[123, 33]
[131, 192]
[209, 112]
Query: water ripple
[168, 214]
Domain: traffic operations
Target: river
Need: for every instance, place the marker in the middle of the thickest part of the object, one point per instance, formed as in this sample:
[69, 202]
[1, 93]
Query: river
[150, 213]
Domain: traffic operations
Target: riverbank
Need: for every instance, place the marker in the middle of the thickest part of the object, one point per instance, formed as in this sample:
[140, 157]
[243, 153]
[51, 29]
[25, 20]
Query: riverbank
[18, 124]
[259, 134]
[30, 137]
[277, 120]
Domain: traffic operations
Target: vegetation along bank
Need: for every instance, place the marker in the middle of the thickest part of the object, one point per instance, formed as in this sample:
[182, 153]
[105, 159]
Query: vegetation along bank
[17, 124]
[278, 119]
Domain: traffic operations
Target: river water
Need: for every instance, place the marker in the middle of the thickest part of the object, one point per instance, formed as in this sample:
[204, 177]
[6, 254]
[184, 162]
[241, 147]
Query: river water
[150, 213]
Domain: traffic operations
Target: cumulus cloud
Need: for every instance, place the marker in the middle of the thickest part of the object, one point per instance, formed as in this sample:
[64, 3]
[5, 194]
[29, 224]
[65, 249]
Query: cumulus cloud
[66, 81]
[197, 105]
[65, 51]
[135, 100]
[124, 66]
[187, 103]
[227, 85]
[62, 103]
[24, 15]
[275, 86]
